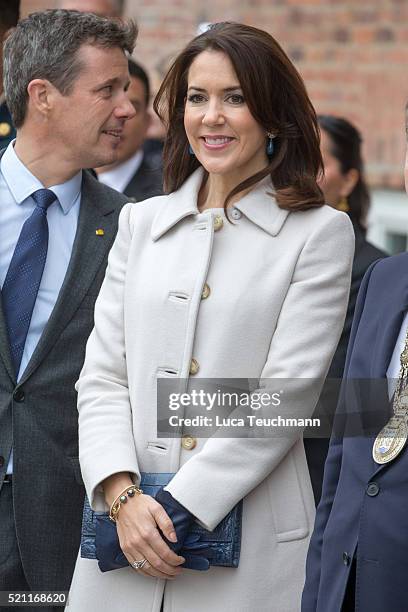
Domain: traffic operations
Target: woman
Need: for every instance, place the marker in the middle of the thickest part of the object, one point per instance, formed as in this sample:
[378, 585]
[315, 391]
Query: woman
[235, 274]
[344, 187]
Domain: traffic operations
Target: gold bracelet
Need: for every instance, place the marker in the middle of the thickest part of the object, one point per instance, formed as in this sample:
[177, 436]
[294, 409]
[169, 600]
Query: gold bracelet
[122, 498]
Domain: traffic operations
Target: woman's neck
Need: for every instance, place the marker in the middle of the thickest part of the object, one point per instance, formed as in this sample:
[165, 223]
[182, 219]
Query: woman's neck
[214, 192]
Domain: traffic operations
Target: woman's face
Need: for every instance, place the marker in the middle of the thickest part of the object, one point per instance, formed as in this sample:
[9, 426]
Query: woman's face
[223, 134]
[333, 182]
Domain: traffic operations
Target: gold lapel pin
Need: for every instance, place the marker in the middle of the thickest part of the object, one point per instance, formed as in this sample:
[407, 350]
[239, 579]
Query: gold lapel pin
[100, 232]
[5, 129]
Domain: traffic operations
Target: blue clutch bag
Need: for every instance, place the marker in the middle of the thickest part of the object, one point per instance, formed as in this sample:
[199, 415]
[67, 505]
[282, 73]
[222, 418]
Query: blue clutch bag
[99, 538]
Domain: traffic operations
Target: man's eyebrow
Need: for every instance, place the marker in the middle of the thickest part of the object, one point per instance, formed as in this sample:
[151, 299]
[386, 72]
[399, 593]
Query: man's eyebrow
[226, 89]
[107, 82]
[111, 81]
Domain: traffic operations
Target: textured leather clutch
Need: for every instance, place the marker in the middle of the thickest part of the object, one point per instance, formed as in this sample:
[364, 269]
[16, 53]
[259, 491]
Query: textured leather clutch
[99, 539]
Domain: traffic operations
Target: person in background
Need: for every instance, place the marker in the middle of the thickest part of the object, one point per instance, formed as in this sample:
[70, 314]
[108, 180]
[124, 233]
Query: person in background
[67, 96]
[113, 9]
[9, 14]
[135, 173]
[358, 554]
[344, 187]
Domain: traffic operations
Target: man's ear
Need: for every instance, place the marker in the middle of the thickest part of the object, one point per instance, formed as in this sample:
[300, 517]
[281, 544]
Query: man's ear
[41, 95]
[350, 180]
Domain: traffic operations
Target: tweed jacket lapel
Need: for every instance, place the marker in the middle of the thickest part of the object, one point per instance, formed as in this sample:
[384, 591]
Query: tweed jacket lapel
[5, 346]
[88, 253]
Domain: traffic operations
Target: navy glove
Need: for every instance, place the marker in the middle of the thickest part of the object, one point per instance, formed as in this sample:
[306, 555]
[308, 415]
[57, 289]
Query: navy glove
[196, 554]
[180, 517]
[186, 545]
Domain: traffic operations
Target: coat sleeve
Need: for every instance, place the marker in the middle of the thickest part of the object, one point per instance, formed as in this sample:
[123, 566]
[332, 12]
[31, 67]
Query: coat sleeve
[331, 474]
[302, 346]
[106, 443]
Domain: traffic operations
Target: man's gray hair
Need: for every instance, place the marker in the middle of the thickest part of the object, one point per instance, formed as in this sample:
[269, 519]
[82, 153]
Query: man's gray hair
[45, 46]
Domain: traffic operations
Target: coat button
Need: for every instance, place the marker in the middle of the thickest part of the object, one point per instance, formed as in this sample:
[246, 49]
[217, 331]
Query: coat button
[346, 559]
[218, 223]
[1, 461]
[188, 442]
[206, 292]
[372, 489]
[194, 366]
[18, 395]
[236, 214]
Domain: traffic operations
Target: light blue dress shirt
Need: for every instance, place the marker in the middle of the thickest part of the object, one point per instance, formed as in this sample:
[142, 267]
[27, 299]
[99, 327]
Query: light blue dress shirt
[16, 205]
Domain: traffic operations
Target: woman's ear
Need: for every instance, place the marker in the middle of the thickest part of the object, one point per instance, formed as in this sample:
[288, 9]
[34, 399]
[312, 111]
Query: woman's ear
[350, 180]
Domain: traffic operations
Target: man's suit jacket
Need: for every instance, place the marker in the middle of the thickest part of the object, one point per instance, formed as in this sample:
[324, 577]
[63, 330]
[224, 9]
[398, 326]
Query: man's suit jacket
[363, 510]
[147, 182]
[38, 416]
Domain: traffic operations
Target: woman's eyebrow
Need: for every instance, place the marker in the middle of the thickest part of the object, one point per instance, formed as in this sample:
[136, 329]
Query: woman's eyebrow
[226, 89]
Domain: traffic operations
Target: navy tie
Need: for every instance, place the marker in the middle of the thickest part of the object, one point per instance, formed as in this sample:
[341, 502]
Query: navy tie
[23, 279]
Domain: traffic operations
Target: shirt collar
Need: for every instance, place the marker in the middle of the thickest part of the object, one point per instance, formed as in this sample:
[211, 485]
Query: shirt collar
[22, 183]
[259, 206]
[120, 176]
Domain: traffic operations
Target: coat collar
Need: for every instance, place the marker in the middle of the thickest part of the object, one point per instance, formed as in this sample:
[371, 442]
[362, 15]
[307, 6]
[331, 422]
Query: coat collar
[259, 206]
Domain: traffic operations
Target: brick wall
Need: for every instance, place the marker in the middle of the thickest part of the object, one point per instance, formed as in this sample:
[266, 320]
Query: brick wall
[352, 54]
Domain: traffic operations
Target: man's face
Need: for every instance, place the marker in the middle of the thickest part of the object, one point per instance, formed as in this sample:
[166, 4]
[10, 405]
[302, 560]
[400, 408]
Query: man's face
[87, 124]
[134, 131]
[105, 8]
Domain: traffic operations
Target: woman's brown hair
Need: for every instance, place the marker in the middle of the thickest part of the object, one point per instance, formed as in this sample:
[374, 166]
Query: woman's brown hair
[277, 99]
[345, 145]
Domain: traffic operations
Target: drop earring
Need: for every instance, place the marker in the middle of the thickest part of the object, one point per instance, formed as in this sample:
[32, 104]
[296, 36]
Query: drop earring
[343, 204]
[269, 145]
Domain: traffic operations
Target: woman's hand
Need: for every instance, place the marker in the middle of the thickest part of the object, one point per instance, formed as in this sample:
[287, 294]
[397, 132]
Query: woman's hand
[139, 537]
[137, 524]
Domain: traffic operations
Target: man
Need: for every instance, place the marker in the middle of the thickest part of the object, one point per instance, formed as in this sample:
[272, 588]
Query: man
[67, 96]
[135, 173]
[105, 8]
[9, 13]
[358, 555]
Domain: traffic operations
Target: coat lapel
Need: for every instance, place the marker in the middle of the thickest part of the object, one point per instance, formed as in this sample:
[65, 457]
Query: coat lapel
[88, 253]
[389, 327]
